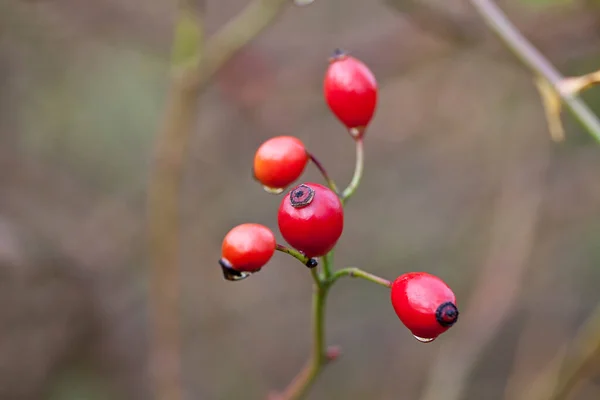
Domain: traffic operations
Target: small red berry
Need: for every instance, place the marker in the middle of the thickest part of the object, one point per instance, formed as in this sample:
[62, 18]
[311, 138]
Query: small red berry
[350, 91]
[311, 219]
[425, 304]
[280, 161]
[246, 249]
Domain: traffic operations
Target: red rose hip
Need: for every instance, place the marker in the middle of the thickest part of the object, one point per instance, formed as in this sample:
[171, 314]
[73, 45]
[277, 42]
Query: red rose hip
[425, 304]
[350, 90]
[246, 249]
[279, 161]
[311, 219]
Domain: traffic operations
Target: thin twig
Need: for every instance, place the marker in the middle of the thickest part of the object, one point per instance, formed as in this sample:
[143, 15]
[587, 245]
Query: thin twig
[354, 272]
[535, 61]
[309, 262]
[300, 385]
[165, 182]
[358, 172]
[585, 352]
[330, 182]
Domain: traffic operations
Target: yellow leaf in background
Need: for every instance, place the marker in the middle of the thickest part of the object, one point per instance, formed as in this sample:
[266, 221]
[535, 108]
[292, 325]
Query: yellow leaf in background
[188, 39]
[552, 106]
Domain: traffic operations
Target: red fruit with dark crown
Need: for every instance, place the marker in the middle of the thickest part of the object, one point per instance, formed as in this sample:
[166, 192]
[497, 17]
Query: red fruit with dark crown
[280, 161]
[424, 303]
[350, 90]
[246, 248]
[311, 219]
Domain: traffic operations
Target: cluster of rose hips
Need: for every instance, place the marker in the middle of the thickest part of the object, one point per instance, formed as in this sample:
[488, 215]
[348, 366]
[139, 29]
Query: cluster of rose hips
[311, 216]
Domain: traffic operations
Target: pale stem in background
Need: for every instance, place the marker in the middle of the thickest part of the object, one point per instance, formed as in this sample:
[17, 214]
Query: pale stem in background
[172, 142]
[534, 60]
[577, 368]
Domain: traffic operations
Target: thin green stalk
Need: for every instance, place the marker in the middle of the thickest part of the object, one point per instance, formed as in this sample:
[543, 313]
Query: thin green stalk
[535, 61]
[354, 272]
[326, 262]
[315, 276]
[309, 262]
[330, 182]
[299, 387]
[358, 172]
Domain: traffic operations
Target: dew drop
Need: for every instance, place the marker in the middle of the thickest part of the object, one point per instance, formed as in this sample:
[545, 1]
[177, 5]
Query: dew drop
[273, 190]
[236, 276]
[231, 274]
[424, 340]
[302, 3]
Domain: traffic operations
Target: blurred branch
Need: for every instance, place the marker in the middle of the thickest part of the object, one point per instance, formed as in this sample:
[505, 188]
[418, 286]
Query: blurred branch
[166, 176]
[536, 62]
[498, 285]
[436, 20]
[581, 357]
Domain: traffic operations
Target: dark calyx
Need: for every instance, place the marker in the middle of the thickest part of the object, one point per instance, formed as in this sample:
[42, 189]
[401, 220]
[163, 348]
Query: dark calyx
[301, 196]
[447, 314]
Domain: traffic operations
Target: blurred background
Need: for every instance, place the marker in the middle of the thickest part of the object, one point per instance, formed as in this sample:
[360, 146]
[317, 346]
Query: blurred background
[461, 180]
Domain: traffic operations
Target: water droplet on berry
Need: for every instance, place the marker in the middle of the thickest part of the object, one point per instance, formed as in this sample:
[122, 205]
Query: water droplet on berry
[424, 340]
[303, 2]
[231, 274]
[273, 190]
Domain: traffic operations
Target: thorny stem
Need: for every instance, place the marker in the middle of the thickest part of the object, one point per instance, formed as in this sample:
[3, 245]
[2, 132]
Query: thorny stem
[534, 60]
[354, 272]
[358, 172]
[330, 182]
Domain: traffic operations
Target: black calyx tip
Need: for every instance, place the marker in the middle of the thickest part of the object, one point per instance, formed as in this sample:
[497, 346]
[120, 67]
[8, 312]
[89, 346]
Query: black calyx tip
[312, 262]
[338, 53]
[231, 274]
[447, 314]
[301, 196]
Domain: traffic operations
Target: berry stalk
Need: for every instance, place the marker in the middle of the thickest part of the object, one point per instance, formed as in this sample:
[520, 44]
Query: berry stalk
[309, 262]
[358, 172]
[354, 272]
[300, 385]
[323, 172]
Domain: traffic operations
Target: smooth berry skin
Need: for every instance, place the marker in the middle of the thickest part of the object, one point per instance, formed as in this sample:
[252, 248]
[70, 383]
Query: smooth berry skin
[248, 247]
[314, 228]
[424, 303]
[280, 161]
[350, 90]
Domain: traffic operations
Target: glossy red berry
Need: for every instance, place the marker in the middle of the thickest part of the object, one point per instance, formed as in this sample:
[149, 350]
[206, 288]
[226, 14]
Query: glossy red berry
[246, 249]
[311, 219]
[350, 91]
[280, 161]
[425, 304]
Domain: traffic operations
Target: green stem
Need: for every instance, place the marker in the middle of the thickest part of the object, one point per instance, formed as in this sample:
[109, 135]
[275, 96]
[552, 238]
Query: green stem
[534, 60]
[300, 385]
[330, 182]
[326, 261]
[309, 262]
[315, 276]
[359, 273]
[358, 172]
